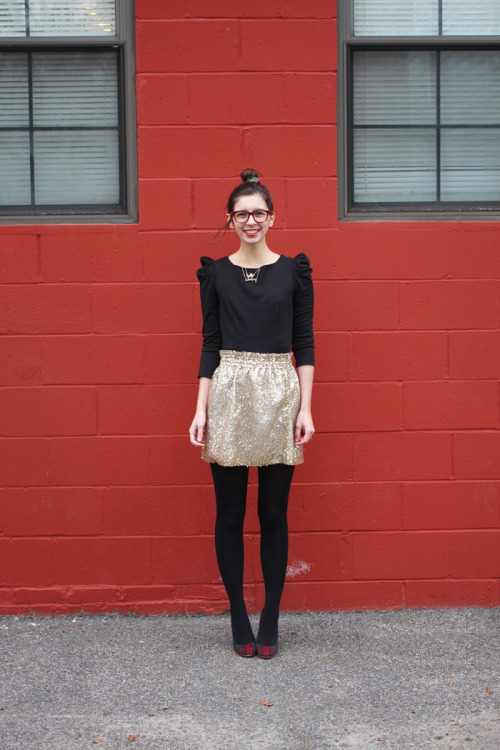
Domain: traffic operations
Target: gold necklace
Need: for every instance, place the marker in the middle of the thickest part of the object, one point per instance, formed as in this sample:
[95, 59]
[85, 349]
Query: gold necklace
[250, 274]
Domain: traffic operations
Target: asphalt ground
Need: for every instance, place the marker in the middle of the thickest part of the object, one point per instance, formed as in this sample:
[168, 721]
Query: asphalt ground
[355, 680]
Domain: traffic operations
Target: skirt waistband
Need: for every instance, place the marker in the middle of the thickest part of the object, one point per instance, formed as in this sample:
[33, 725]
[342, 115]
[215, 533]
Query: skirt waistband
[230, 356]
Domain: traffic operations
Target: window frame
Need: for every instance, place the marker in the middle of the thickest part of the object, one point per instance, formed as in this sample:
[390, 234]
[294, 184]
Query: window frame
[124, 42]
[347, 45]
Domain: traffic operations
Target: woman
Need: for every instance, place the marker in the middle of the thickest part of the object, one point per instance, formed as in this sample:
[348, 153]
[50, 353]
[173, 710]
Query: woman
[252, 408]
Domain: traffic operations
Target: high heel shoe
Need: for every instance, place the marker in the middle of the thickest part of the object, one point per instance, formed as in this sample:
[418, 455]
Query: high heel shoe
[267, 652]
[245, 649]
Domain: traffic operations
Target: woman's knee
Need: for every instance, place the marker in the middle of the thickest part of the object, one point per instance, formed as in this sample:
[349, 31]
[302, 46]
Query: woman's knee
[231, 519]
[272, 518]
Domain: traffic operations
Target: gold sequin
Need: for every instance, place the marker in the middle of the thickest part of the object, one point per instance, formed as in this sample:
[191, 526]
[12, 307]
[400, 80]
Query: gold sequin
[253, 404]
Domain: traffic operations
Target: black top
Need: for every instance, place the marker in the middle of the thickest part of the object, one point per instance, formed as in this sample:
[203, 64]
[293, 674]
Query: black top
[272, 315]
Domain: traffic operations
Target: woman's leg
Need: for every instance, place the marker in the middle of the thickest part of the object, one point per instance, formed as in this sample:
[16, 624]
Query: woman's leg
[274, 488]
[230, 484]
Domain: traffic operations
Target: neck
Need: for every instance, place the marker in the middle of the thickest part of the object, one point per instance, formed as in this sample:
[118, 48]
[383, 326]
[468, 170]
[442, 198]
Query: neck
[254, 255]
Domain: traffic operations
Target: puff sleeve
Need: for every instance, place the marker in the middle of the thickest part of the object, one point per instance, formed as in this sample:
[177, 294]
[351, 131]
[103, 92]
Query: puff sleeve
[303, 307]
[212, 337]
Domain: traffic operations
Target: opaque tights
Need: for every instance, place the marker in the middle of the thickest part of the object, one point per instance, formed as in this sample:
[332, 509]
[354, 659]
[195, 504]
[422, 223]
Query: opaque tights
[230, 483]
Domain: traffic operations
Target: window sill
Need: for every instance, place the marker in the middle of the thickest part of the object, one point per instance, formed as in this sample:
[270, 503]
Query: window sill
[55, 219]
[431, 215]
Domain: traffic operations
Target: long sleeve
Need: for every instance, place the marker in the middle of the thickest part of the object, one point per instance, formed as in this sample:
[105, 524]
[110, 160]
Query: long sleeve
[303, 308]
[212, 337]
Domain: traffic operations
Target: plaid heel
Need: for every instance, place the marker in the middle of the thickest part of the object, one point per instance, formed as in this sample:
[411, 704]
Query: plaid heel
[245, 649]
[267, 652]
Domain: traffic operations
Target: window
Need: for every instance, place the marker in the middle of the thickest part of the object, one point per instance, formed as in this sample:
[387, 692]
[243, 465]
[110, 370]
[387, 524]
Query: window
[67, 111]
[419, 109]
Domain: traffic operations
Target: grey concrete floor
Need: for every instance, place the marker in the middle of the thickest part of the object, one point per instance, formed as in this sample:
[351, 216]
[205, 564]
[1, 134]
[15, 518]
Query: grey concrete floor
[354, 680]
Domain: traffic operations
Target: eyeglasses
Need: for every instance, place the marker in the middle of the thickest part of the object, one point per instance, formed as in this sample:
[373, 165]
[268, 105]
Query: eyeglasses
[260, 216]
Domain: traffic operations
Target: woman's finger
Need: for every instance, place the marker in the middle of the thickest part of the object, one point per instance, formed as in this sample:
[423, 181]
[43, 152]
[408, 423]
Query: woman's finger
[307, 433]
[196, 434]
[299, 437]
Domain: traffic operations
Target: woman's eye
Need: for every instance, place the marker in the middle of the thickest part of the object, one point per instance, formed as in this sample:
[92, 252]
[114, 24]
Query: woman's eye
[241, 216]
[260, 215]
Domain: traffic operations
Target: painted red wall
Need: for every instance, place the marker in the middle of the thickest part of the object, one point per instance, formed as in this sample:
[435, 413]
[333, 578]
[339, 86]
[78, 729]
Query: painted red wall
[105, 506]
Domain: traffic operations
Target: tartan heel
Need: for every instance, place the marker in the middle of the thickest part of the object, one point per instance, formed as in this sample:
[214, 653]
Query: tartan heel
[245, 649]
[267, 652]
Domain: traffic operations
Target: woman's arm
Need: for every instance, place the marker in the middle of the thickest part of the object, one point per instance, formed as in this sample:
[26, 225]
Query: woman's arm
[212, 343]
[304, 427]
[197, 429]
[303, 345]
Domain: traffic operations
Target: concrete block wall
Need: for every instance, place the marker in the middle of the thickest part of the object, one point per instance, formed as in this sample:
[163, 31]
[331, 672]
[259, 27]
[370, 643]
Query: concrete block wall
[104, 506]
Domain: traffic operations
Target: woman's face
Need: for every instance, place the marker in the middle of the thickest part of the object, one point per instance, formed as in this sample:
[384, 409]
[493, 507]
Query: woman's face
[252, 232]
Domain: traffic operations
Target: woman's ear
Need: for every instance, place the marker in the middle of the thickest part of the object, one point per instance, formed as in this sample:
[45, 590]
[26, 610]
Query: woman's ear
[229, 221]
[271, 221]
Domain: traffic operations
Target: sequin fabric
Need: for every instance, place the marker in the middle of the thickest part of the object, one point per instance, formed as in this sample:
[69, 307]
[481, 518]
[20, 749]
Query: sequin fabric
[253, 404]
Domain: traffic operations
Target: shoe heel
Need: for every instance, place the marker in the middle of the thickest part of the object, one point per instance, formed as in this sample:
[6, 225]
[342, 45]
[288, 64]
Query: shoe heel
[266, 652]
[245, 649]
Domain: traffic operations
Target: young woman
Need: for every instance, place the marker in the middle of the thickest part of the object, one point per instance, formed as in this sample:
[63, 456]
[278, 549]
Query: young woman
[252, 408]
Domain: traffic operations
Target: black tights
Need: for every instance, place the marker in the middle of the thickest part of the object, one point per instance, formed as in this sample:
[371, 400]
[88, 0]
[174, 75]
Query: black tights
[230, 483]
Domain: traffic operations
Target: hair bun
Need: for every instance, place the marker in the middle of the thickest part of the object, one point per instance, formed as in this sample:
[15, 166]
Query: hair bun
[250, 175]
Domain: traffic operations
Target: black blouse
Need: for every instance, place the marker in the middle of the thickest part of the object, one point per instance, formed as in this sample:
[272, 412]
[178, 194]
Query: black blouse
[272, 315]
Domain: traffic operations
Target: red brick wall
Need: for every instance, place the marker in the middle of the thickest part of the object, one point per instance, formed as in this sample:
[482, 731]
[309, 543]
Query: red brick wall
[104, 505]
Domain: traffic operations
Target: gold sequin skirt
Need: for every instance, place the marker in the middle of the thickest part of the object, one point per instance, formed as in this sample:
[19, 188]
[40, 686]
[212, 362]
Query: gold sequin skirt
[253, 404]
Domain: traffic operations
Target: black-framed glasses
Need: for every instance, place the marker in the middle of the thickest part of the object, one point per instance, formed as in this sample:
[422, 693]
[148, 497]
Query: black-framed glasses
[260, 216]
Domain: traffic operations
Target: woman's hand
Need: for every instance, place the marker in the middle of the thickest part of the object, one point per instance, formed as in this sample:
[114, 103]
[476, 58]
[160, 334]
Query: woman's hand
[304, 428]
[197, 429]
